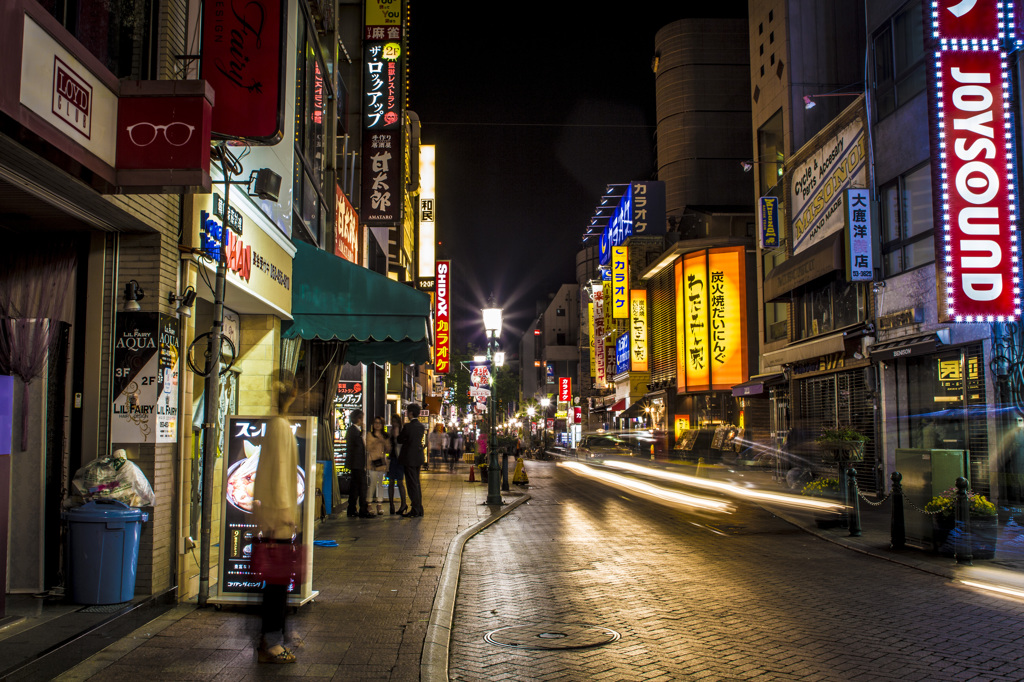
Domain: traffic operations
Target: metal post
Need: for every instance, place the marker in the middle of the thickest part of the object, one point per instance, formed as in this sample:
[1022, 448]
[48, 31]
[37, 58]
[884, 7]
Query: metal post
[493, 474]
[854, 508]
[211, 398]
[962, 546]
[504, 471]
[897, 526]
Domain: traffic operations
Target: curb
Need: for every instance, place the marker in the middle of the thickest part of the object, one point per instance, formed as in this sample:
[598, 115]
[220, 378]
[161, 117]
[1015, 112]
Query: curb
[434, 662]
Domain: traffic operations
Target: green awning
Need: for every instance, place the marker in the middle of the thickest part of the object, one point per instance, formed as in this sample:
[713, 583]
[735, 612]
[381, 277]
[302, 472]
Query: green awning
[379, 319]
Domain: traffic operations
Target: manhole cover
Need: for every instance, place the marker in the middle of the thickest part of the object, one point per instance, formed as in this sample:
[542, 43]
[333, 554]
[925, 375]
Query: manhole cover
[551, 636]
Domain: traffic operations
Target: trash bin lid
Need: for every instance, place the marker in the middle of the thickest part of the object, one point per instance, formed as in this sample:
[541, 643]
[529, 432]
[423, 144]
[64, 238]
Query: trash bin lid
[100, 511]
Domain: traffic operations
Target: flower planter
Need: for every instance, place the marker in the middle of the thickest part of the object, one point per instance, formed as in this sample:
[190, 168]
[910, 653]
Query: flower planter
[984, 534]
[844, 450]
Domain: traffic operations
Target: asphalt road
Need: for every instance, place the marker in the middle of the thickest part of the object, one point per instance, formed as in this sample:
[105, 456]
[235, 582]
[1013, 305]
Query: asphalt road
[705, 595]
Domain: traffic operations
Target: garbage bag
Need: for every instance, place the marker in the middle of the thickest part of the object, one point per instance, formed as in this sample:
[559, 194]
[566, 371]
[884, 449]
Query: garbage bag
[111, 478]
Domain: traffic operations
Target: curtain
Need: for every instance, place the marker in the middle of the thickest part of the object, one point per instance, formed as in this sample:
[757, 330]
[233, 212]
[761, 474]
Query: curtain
[324, 361]
[35, 279]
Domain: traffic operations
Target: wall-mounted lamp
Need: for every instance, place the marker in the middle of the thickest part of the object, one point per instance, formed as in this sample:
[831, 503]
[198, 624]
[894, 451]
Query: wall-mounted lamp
[748, 165]
[133, 293]
[809, 102]
[187, 300]
[263, 183]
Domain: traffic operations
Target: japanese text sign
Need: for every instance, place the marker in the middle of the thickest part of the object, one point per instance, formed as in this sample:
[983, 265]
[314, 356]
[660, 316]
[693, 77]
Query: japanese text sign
[622, 354]
[620, 282]
[859, 249]
[597, 339]
[381, 178]
[641, 210]
[564, 389]
[638, 330]
[442, 318]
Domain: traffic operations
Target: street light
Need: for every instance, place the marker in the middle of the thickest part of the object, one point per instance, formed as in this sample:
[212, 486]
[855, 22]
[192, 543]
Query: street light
[492, 325]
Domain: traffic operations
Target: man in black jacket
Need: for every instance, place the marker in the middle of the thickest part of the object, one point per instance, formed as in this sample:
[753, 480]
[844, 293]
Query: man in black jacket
[355, 460]
[411, 439]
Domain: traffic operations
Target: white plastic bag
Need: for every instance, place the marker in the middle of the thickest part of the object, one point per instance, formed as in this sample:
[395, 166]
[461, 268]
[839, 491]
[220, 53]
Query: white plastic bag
[111, 478]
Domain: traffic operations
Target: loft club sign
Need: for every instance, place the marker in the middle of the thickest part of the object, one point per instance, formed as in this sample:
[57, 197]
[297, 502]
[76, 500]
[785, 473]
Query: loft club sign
[976, 201]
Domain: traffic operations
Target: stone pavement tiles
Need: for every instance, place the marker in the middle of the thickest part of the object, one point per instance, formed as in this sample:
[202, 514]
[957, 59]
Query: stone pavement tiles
[368, 623]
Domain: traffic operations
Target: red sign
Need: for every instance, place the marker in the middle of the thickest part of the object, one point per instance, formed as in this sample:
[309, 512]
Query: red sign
[564, 389]
[549, 423]
[966, 19]
[577, 415]
[163, 133]
[442, 318]
[346, 228]
[243, 59]
[975, 202]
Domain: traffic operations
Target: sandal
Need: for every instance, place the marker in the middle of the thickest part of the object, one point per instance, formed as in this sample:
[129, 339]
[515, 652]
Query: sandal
[276, 654]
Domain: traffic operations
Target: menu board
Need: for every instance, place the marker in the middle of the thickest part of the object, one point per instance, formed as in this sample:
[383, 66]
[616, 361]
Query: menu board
[244, 440]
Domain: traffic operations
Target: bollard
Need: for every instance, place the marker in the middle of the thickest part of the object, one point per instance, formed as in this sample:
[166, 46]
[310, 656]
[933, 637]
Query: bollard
[854, 508]
[962, 546]
[504, 471]
[897, 526]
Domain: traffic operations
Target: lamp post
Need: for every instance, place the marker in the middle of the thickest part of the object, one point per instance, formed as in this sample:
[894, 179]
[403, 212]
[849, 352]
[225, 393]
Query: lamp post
[530, 412]
[492, 325]
[544, 403]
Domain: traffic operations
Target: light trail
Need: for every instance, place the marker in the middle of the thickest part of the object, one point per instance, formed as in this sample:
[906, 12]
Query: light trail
[653, 491]
[989, 587]
[727, 488]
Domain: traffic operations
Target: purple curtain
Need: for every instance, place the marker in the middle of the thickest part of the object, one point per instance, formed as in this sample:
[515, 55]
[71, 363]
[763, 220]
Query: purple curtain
[35, 279]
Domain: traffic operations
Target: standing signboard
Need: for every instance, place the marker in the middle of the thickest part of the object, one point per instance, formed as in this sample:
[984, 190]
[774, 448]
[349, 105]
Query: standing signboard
[145, 391]
[244, 439]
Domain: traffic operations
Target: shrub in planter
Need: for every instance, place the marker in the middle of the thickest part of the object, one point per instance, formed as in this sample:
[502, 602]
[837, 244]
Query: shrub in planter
[984, 524]
[843, 443]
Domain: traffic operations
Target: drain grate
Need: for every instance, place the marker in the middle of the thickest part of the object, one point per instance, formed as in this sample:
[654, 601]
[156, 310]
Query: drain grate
[105, 608]
[552, 636]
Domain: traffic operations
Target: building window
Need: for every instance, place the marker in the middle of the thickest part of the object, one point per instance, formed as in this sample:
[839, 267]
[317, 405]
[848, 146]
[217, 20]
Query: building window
[899, 60]
[119, 34]
[825, 308]
[908, 240]
[560, 312]
[309, 208]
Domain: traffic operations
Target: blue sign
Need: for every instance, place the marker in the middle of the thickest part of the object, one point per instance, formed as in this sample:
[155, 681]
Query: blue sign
[622, 354]
[640, 211]
[769, 217]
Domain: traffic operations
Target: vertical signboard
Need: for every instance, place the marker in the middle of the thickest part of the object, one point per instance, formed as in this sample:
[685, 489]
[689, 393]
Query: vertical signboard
[244, 440]
[620, 282]
[641, 210]
[564, 389]
[590, 329]
[145, 392]
[597, 339]
[428, 228]
[726, 308]
[768, 219]
[622, 354]
[243, 59]
[975, 198]
[638, 330]
[442, 318]
[859, 247]
[693, 324]
[346, 228]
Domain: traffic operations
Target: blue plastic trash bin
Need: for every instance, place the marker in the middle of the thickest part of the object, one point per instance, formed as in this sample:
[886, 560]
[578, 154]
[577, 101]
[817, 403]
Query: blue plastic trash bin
[103, 551]
[327, 484]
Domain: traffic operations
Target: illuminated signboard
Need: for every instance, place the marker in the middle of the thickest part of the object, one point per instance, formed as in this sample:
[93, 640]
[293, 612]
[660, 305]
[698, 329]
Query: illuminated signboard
[428, 229]
[620, 282]
[622, 354]
[859, 248]
[590, 326]
[769, 220]
[564, 389]
[346, 228]
[597, 339]
[638, 330]
[641, 210]
[442, 318]
[710, 318]
[973, 170]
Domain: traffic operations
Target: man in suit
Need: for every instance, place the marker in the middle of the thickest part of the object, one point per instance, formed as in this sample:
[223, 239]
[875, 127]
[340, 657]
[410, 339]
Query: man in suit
[412, 458]
[355, 461]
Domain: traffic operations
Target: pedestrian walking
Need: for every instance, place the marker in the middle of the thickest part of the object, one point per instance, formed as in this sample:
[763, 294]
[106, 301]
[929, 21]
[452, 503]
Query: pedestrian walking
[437, 441]
[355, 460]
[396, 472]
[276, 513]
[456, 450]
[411, 440]
[377, 447]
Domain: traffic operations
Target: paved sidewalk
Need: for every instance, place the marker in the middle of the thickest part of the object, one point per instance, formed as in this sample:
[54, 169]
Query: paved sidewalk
[380, 614]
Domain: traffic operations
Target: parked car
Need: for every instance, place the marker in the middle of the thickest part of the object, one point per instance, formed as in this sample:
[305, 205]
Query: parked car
[599, 446]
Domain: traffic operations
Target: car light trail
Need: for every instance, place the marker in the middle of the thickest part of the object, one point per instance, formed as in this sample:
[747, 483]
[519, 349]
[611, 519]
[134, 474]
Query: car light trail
[657, 492]
[727, 488]
[995, 588]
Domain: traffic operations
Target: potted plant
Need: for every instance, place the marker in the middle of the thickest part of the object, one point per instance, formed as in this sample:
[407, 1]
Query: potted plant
[983, 521]
[829, 489]
[843, 443]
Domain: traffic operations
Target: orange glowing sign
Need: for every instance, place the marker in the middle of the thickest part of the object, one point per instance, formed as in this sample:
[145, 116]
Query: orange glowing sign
[692, 324]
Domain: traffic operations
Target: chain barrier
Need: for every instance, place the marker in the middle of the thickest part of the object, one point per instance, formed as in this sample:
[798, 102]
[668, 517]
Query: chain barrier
[918, 509]
[874, 504]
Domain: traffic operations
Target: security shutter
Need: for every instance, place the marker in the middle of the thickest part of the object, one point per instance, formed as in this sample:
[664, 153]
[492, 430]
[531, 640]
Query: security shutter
[661, 319]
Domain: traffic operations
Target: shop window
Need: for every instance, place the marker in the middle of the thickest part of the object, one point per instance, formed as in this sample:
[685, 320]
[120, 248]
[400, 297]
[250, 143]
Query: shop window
[908, 240]
[828, 307]
[775, 316]
[770, 155]
[898, 50]
[119, 34]
[309, 207]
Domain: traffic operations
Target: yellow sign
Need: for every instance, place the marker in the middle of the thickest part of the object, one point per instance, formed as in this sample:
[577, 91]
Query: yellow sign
[692, 321]
[620, 282]
[727, 305]
[682, 425]
[590, 326]
[638, 331]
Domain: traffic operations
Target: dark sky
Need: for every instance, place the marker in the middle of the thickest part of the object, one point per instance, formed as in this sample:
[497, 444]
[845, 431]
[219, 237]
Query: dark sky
[533, 114]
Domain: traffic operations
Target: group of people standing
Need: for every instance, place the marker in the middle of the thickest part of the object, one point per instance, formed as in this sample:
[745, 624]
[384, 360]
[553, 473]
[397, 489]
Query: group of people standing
[445, 448]
[397, 451]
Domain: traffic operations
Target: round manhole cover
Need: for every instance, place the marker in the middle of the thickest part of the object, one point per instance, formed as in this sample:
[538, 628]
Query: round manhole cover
[552, 636]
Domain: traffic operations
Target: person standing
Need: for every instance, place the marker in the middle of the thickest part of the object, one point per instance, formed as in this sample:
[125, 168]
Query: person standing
[396, 472]
[456, 448]
[277, 516]
[437, 441]
[377, 447]
[411, 440]
[355, 460]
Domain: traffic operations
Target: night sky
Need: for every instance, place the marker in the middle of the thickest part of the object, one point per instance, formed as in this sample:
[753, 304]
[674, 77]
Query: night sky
[533, 116]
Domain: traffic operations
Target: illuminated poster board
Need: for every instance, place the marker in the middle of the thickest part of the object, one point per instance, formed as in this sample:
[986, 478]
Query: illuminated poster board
[727, 303]
[693, 324]
[620, 282]
[442, 318]
[242, 448]
[564, 389]
[590, 329]
[597, 339]
[638, 331]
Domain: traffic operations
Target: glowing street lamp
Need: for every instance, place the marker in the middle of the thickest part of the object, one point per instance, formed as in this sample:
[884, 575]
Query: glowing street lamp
[492, 325]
